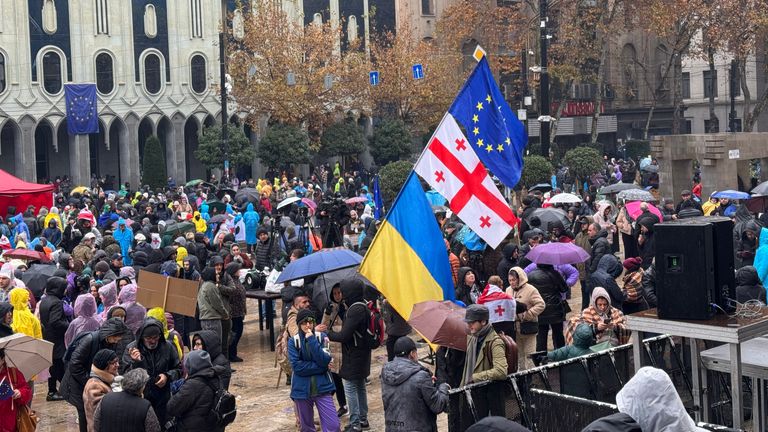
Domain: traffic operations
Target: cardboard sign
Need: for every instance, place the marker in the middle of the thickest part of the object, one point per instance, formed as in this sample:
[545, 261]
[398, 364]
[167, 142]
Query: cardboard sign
[172, 294]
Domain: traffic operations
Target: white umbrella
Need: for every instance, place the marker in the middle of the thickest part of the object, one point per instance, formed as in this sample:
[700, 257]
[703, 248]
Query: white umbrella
[564, 198]
[27, 354]
[288, 201]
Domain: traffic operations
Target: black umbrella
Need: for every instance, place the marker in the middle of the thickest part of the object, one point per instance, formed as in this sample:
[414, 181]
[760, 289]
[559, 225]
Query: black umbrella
[247, 194]
[323, 284]
[761, 189]
[175, 229]
[36, 276]
[541, 187]
[224, 191]
[219, 218]
[548, 216]
[216, 204]
[616, 188]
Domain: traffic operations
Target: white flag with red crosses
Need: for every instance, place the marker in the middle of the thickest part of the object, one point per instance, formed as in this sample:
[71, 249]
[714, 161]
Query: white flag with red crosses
[501, 307]
[453, 169]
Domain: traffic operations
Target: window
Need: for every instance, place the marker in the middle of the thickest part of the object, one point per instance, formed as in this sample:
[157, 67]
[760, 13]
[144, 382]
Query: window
[199, 81]
[686, 83]
[712, 126]
[152, 73]
[196, 9]
[427, 7]
[52, 72]
[105, 73]
[102, 17]
[710, 83]
[688, 127]
[2, 73]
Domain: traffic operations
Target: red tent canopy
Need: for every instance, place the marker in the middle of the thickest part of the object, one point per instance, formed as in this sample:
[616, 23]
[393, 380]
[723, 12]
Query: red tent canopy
[20, 194]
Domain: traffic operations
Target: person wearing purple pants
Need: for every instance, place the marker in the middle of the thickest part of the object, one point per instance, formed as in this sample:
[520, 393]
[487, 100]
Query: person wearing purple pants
[311, 383]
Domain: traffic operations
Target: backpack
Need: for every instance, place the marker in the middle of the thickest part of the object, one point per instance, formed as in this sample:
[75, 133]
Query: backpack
[510, 351]
[281, 352]
[224, 406]
[76, 341]
[374, 331]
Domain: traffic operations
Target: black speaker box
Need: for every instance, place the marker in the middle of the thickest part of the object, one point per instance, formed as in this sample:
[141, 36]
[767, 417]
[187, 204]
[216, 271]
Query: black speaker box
[694, 267]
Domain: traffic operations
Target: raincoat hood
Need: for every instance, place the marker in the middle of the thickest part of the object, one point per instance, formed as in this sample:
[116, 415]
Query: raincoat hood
[19, 298]
[127, 294]
[399, 370]
[651, 399]
[747, 276]
[85, 306]
[249, 207]
[522, 277]
[211, 342]
[159, 314]
[763, 241]
[108, 295]
[610, 264]
[583, 336]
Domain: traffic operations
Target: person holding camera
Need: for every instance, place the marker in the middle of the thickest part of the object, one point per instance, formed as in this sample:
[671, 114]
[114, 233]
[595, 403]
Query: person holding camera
[608, 323]
[266, 251]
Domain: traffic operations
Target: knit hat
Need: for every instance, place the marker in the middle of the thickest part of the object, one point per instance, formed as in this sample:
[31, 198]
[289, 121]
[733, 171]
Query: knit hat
[304, 315]
[476, 312]
[89, 236]
[102, 358]
[404, 346]
[101, 267]
[197, 361]
[632, 264]
[181, 241]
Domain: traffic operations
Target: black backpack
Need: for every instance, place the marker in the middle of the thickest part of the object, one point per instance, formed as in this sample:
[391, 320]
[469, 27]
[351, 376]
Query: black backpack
[224, 406]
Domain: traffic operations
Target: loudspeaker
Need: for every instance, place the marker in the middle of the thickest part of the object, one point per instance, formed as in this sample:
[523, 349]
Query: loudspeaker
[725, 272]
[686, 282]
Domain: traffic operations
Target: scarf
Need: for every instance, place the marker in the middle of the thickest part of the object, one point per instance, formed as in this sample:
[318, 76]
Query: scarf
[469, 364]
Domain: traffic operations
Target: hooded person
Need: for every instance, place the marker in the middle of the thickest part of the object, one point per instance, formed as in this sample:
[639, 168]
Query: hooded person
[502, 307]
[103, 372]
[134, 312]
[748, 285]
[52, 232]
[608, 269]
[55, 324]
[583, 338]
[85, 318]
[467, 291]
[251, 219]
[103, 273]
[24, 321]
[108, 295]
[193, 403]
[761, 256]
[528, 321]
[209, 341]
[608, 323]
[747, 244]
[79, 365]
[6, 317]
[510, 254]
[159, 314]
[200, 225]
[651, 400]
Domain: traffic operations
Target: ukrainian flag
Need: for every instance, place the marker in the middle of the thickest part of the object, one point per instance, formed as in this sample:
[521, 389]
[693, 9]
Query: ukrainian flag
[407, 260]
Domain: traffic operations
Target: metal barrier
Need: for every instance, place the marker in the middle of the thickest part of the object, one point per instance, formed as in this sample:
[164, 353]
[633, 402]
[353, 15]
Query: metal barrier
[595, 377]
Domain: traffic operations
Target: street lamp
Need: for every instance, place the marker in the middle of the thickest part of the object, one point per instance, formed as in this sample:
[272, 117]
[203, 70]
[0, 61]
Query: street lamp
[223, 85]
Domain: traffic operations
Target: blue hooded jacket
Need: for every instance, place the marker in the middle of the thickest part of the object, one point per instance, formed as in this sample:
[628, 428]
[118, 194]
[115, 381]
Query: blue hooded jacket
[21, 227]
[761, 256]
[125, 239]
[251, 220]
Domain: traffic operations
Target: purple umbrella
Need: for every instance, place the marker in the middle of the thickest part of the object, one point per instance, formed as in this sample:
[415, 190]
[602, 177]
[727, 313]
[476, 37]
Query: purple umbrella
[557, 254]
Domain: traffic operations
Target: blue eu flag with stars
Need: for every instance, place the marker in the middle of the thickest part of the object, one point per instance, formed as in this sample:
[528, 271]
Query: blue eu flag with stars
[82, 114]
[497, 136]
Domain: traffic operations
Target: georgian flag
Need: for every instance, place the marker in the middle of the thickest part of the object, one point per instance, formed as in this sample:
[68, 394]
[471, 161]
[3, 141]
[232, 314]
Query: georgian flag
[453, 169]
[501, 307]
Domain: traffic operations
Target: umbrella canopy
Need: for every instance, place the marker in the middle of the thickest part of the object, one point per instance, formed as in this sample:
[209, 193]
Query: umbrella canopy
[26, 255]
[195, 182]
[440, 322]
[650, 168]
[549, 215]
[757, 203]
[216, 204]
[557, 254]
[27, 354]
[219, 218]
[541, 187]
[309, 203]
[616, 188]
[355, 200]
[319, 262]
[633, 208]
[636, 195]
[225, 191]
[247, 194]
[128, 223]
[79, 189]
[439, 209]
[36, 276]
[288, 201]
[564, 198]
[730, 194]
[175, 229]
[323, 284]
[761, 189]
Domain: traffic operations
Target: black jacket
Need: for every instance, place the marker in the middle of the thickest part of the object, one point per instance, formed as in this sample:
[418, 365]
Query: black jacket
[212, 344]
[649, 286]
[600, 247]
[506, 263]
[122, 411]
[748, 285]
[411, 400]
[462, 290]
[355, 355]
[608, 269]
[551, 285]
[52, 317]
[193, 404]
[618, 422]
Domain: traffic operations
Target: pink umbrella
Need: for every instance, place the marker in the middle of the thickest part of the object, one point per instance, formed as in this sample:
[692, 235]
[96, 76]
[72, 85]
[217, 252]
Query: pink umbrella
[633, 209]
[309, 203]
[355, 200]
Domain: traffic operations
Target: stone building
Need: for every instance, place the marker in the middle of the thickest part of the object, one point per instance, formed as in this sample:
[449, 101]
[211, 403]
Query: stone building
[155, 65]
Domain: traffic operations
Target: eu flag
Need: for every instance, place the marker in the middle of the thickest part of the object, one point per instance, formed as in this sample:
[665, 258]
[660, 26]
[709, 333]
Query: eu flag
[82, 115]
[377, 201]
[497, 136]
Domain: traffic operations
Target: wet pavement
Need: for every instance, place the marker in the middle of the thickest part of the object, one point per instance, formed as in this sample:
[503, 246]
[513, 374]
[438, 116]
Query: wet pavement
[262, 405]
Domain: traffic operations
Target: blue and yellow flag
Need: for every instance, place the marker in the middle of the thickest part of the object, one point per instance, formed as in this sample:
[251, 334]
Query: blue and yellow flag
[407, 261]
[497, 136]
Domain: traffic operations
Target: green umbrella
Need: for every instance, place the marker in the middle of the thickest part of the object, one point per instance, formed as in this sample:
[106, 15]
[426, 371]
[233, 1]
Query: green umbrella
[193, 183]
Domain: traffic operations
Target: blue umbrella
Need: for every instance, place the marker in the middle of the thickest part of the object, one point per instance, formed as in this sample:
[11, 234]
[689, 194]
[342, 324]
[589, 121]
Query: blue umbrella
[731, 194]
[319, 262]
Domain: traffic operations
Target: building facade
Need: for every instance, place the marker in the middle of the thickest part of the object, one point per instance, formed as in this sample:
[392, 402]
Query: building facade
[155, 66]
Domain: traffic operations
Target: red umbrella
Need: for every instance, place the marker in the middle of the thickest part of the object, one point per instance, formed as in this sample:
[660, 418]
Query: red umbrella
[633, 208]
[26, 254]
[440, 322]
[355, 200]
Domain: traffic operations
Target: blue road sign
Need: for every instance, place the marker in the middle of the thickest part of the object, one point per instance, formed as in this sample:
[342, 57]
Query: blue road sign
[418, 71]
[373, 77]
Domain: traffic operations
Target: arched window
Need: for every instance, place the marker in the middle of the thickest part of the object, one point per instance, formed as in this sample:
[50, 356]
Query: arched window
[199, 81]
[52, 72]
[105, 73]
[2, 73]
[152, 73]
[352, 28]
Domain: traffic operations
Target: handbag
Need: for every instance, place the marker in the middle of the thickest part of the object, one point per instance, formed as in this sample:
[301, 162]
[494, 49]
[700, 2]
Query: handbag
[529, 327]
[566, 307]
[26, 419]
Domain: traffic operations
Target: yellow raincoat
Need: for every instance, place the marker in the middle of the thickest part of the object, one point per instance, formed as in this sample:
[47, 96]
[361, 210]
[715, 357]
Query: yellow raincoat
[23, 320]
[200, 225]
[181, 253]
[159, 314]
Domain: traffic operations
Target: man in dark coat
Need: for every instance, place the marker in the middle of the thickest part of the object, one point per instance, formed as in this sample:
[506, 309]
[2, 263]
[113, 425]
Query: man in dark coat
[551, 286]
[55, 324]
[748, 285]
[152, 352]
[608, 269]
[79, 366]
[412, 400]
[209, 341]
[355, 354]
[194, 402]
